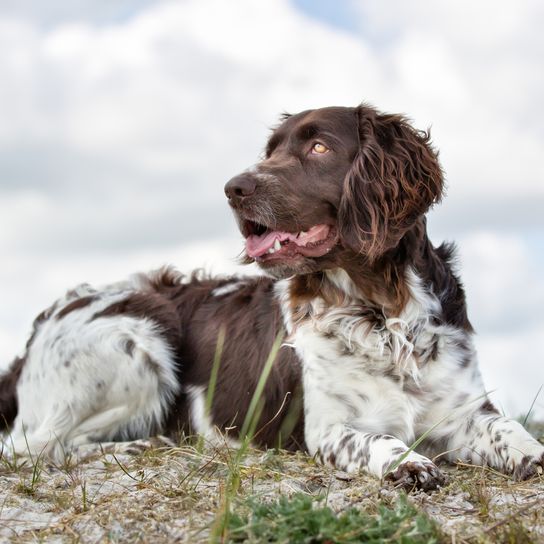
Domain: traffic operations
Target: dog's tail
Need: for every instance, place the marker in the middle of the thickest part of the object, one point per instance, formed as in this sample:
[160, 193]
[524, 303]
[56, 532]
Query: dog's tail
[8, 393]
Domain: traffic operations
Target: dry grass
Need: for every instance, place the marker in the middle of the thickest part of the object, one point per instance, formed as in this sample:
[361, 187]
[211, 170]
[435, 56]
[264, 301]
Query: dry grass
[146, 492]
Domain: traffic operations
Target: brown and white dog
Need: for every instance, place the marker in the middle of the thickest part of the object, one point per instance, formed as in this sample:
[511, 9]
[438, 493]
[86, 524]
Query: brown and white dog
[377, 334]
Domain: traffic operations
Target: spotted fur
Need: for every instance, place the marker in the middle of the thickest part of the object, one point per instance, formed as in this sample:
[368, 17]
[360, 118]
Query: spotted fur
[374, 385]
[88, 378]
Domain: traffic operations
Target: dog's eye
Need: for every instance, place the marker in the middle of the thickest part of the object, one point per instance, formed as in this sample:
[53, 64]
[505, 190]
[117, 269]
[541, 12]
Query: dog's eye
[319, 148]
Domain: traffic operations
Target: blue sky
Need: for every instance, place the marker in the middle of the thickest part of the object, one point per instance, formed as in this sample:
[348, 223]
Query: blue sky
[339, 14]
[121, 121]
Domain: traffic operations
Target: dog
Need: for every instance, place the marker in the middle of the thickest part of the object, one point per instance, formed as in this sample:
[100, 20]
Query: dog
[377, 347]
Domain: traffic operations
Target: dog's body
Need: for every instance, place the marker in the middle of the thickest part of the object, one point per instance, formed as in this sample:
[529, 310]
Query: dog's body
[374, 318]
[134, 358]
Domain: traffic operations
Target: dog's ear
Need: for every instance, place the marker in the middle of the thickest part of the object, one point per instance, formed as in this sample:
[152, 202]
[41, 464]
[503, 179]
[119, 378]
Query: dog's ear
[394, 179]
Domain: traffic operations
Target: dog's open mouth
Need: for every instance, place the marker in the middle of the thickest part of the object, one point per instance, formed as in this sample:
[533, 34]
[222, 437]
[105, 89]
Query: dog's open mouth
[265, 244]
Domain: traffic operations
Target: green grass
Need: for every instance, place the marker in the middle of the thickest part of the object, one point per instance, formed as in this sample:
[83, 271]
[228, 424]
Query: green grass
[301, 519]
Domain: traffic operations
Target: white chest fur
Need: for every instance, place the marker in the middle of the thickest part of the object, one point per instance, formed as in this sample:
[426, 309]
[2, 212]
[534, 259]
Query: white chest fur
[369, 371]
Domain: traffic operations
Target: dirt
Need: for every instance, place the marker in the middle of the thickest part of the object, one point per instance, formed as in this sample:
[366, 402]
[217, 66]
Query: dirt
[143, 492]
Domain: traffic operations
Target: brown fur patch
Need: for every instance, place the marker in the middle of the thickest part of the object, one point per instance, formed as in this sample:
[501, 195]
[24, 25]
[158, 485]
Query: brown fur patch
[75, 305]
[8, 393]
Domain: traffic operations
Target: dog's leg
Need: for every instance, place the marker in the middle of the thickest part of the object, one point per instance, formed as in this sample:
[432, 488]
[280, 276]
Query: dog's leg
[357, 421]
[487, 438]
[464, 425]
[351, 450]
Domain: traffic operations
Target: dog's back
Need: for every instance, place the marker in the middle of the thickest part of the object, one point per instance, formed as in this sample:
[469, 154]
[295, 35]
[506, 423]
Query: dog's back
[134, 358]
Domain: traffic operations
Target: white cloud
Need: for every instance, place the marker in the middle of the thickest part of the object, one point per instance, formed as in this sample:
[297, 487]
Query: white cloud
[505, 294]
[504, 285]
[511, 365]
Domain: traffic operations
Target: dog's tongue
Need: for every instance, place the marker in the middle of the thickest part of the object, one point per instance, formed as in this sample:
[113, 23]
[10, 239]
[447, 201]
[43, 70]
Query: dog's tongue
[259, 245]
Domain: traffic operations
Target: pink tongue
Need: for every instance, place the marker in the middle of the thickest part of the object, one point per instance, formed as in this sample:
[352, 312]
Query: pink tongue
[259, 245]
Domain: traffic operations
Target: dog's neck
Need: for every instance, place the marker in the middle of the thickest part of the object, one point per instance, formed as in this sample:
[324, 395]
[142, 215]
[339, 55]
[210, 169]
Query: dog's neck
[392, 283]
[385, 283]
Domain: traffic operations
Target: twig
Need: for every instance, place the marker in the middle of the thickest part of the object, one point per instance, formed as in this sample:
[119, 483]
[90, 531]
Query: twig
[515, 514]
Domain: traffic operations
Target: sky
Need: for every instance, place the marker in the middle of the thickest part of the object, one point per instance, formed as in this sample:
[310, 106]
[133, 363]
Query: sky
[121, 122]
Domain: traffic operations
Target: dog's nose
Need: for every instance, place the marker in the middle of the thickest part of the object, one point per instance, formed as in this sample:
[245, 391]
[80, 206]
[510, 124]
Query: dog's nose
[240, 186]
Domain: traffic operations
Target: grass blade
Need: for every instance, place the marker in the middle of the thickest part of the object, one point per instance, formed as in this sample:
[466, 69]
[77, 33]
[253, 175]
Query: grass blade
[249, 420]
[532, 405]
[215, 370]
[413, 446]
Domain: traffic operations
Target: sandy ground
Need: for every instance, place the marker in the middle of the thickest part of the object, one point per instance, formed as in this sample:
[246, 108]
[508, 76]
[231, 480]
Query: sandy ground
[143, 492]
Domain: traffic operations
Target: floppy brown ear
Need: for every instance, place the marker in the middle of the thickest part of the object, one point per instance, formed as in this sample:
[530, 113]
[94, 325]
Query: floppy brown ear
[394, 179]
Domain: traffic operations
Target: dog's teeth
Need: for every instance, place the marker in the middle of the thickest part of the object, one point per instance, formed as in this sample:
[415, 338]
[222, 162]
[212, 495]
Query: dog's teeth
[302, 233]
[277, 245]
[271, 250]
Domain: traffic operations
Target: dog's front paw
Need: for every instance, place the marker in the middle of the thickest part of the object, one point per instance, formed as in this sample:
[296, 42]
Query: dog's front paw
[529, 467]
[412, 475]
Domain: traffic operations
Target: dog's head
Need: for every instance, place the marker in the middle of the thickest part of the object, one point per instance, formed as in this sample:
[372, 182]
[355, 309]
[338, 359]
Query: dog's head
[335, 183]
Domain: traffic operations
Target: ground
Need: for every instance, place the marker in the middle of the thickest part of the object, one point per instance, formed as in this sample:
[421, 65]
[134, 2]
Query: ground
[149, 492]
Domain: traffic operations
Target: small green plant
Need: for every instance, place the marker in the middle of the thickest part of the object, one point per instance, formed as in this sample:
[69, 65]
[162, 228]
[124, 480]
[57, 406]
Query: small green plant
[212, 383]
[29, 486]
[300, 519]
[36, 464]
[84, 498]
[480, 496]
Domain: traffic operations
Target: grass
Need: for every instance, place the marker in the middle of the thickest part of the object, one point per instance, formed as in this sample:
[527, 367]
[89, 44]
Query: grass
[302, 519]
[215, 370]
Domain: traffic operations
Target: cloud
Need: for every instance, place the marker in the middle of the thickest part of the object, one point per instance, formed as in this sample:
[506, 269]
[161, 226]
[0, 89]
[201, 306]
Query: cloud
[503, 284]
[122, 129]
[512, 369]
[51, 14]
[148, 98]
[45, 225]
